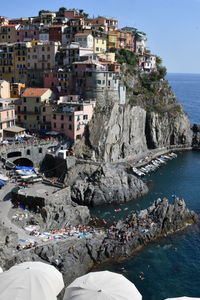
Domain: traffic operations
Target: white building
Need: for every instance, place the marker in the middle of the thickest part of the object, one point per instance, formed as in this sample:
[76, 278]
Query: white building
[85, 40]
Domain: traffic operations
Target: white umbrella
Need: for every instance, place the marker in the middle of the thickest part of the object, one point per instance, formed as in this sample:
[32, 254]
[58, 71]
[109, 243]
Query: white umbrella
[103, 285]
[181, 298]
[31, 281]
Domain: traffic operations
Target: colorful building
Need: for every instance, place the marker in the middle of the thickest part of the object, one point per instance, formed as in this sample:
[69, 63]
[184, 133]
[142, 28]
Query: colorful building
[29, 110]
[8, 33]
[107, 24]
[112, 39]
[71, 118]
[7, 116]
[41, 56]
[100, 43]
[56, 32]
[85, 40]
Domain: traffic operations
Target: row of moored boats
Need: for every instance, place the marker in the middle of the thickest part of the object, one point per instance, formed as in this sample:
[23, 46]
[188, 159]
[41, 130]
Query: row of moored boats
[154, 164]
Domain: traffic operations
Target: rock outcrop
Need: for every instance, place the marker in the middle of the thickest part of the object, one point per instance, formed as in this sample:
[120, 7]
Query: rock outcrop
[196, 137]
[57, 211]
[77, 256]
[103, 184]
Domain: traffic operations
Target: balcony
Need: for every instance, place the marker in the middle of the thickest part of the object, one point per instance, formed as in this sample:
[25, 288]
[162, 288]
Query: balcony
[8, 119]
[7, 108]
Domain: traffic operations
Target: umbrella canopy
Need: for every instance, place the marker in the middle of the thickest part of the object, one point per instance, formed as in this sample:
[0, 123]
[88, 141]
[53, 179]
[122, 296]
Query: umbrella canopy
[103, 285]
[181, 298]
[31, 281]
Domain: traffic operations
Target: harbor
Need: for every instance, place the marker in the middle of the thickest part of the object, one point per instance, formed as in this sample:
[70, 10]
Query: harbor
[148, 167]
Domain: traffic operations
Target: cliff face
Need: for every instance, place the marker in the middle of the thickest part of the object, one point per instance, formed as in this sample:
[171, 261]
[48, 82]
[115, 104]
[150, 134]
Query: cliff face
[150, 119]
[167, 130]
[116, 132]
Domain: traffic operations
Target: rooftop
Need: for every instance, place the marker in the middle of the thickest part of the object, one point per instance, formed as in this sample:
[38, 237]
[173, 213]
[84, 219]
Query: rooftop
[15, 129]
[34, 92]
[82, 34]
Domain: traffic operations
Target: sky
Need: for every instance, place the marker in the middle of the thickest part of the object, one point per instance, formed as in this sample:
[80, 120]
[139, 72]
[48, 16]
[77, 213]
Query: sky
[172, 26]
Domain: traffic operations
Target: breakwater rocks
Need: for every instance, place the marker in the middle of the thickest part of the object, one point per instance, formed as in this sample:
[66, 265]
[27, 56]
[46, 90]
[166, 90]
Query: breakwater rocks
[79, 255]
[101, 184]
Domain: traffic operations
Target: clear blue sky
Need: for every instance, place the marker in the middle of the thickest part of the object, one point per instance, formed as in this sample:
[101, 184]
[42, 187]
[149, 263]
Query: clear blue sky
[172, 26]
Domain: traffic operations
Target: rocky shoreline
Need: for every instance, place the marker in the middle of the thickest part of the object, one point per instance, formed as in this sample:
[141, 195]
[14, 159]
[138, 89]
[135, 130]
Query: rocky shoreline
[119, 241]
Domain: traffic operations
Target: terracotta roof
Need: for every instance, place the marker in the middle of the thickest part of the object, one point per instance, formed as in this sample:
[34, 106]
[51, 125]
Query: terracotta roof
[34, 92]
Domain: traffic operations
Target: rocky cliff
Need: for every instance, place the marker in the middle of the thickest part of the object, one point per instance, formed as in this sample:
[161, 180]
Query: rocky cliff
[150, 119]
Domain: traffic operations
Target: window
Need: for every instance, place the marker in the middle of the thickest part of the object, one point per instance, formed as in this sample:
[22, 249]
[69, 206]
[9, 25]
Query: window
[54, 125]
[62, 126]
[25, 117]
[97, 48]
[54, 116]
[38, 118]
[28, 152]
[44, 118]
[44, 109]
[70, 118]
[85, 117]
[62, 117]
[40, 150]
[37, 100]
[70, 127]
[24, 108]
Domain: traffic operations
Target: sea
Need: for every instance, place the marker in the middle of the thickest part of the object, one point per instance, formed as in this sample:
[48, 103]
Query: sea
[168, 267]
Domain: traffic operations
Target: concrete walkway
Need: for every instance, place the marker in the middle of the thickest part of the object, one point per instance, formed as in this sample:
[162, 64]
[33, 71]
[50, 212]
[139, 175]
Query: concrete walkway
[5, 206]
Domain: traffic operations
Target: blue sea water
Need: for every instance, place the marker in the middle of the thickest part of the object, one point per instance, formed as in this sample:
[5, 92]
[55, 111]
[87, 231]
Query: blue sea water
[170, 267]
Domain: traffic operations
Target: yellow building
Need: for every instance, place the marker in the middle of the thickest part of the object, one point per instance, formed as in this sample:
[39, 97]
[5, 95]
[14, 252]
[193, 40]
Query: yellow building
[112, 39]
[13, 62]
[20, 61]
[99, 44]
[8, 33]
[29, 111]
[7, 62]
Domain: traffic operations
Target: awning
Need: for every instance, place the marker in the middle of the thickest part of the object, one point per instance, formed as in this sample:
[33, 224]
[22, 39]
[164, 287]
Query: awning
[24, 168]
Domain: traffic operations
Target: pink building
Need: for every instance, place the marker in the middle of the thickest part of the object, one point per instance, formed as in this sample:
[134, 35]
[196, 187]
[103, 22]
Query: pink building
[50, 79]
[7, 116]
[71, 118]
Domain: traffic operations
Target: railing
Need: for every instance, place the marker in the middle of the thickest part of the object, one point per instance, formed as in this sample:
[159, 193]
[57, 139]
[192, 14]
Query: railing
[7, 107]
